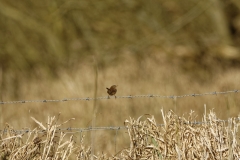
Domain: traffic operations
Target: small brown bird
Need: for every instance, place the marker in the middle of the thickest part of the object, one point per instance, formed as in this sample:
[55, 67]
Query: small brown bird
[112, 90]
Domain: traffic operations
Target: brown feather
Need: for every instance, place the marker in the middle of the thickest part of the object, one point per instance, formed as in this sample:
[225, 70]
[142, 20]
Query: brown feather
[112, 90]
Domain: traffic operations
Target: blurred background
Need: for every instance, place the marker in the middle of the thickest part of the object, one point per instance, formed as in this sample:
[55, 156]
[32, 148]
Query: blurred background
[74, 49]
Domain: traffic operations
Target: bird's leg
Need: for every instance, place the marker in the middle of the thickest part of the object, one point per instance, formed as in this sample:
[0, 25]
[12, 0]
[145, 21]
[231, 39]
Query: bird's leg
[115, 97]
[108, 97]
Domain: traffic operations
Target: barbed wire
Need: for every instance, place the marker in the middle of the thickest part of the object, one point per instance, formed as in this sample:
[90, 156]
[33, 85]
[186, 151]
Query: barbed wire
[77, 130]
[81, 130]
[89, 129]
[120, 97]
[68, 130]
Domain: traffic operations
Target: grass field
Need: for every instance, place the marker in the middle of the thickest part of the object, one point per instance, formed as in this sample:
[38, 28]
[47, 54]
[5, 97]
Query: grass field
[52, 50]
[177, 138]
[155, 74]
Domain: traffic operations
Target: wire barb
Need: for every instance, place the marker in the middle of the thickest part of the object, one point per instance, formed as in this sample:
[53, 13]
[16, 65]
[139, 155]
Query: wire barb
[65, 100]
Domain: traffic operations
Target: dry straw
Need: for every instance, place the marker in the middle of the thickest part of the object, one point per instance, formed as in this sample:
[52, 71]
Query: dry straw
[177, 138]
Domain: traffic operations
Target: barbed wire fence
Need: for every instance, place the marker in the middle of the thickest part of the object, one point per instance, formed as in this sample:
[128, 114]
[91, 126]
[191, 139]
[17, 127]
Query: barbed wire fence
[121, 97]
[71, 130]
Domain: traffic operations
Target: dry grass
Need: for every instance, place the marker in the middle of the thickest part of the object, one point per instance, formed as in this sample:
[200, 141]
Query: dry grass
[50, 50]
[43, 142]
[155, 74]
[177, 138]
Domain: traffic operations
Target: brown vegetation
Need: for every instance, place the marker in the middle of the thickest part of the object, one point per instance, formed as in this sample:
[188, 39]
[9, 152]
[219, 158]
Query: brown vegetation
[177, 138]
[75, 49]
[151, 78]
[48, 35]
